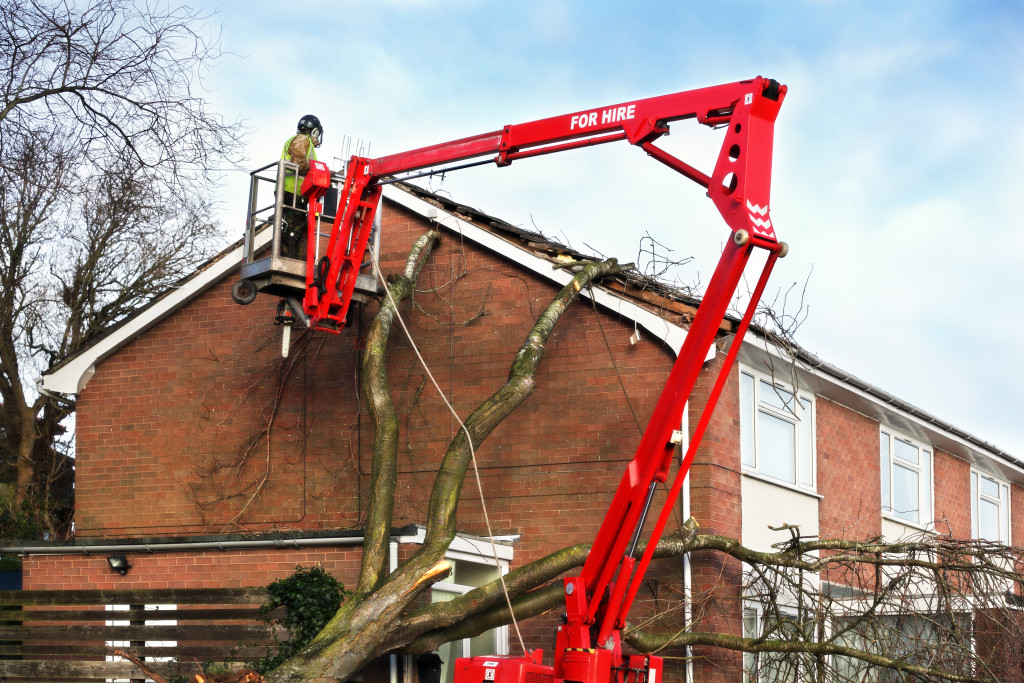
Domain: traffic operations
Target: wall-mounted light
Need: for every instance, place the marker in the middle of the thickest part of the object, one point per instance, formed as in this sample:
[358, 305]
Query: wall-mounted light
[119, 563]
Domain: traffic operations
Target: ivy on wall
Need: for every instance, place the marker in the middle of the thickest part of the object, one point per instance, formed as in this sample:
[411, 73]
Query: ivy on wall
[310, 597]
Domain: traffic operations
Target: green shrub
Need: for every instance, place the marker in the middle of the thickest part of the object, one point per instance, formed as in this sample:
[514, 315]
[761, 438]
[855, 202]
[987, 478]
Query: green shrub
[310, 597]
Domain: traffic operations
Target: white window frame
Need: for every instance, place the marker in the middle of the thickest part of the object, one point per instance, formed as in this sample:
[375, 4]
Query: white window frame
[768, 397]
[757, 612]
[889, 439]
[475, 551]
[1001, 501]
[920, 619]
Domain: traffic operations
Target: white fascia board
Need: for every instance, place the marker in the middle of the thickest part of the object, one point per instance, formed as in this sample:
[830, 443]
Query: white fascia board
[672, 335]
[72, 377]
[465, 547]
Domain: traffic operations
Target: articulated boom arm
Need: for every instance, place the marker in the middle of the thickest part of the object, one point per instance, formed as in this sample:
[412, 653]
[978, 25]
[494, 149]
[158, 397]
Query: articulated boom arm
[739, 184]
[588, 647]
[599, 599]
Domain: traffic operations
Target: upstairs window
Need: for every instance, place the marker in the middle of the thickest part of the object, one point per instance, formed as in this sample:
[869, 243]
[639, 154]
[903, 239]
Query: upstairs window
[776, 431]
[906, 479]
[990, 508]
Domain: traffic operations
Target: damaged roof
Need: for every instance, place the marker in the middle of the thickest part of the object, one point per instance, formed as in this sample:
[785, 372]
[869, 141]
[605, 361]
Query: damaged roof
[642, 299]
[73, 372]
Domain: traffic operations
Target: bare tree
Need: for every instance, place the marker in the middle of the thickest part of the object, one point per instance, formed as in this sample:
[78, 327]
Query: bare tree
[107, 151]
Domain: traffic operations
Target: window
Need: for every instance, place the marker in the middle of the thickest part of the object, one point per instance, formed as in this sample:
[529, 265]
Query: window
[906, 479]
[939, 640]
[990, 508]
[474, 562]
[467, 575]
[776, 431]
[776, 667]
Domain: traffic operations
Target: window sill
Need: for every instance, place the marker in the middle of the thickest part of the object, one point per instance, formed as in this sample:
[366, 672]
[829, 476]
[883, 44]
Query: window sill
[781, 484]
[926, 528]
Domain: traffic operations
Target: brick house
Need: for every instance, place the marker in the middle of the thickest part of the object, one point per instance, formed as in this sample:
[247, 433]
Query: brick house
[215, 462]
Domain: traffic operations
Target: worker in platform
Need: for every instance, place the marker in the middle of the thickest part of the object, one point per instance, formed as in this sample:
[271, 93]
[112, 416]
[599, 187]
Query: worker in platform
[298, 149]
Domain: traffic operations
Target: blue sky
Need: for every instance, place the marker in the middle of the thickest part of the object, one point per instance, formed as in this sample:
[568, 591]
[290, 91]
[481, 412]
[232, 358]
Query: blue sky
[898, 151]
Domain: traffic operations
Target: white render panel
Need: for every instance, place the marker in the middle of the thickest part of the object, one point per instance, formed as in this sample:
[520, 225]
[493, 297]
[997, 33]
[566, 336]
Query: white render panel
[767, 504]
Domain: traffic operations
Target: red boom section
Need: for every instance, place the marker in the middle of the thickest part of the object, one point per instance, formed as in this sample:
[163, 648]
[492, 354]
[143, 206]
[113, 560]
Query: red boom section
[598, 600]
[739, 184]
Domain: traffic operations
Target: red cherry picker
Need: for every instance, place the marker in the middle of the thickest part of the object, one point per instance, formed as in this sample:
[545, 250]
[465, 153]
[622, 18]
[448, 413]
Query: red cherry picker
[588, 646]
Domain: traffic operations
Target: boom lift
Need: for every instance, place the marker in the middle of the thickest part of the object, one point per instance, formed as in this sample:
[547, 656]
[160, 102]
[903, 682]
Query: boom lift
[588, 646]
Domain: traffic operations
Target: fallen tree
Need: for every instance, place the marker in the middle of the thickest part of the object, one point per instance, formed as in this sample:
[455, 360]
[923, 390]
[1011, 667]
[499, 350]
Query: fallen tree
[824, 609]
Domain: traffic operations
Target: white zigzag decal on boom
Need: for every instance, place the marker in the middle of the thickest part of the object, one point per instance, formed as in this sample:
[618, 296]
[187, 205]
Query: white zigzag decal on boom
[756, 208]
[762, 227]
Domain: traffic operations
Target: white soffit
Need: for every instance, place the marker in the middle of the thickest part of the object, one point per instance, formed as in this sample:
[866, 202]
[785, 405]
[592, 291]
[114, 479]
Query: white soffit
[72, 377]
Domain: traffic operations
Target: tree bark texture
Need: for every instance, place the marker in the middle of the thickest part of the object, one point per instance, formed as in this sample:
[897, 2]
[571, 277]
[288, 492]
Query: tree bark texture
[371, 622]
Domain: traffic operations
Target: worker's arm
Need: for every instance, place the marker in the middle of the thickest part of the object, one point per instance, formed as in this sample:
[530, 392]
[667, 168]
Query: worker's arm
[298, 152]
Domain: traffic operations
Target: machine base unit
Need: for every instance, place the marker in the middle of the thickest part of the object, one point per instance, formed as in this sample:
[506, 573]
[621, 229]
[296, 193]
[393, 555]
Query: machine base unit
[579, 666]
[503, 669]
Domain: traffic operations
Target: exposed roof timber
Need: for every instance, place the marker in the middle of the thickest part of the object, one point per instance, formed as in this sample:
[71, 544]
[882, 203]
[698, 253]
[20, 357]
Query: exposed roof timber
[673, 335]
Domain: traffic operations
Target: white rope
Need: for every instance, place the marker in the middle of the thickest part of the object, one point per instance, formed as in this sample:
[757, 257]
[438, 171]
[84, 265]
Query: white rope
[472, 453]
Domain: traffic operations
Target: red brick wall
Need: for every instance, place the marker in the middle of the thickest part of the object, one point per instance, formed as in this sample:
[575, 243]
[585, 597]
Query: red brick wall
[715, 475]
[952, 495]
[185, 398]
[849, 478]
[849, 473]
[205, 569]
[1016, 516]
[190, 394]
[716, 505]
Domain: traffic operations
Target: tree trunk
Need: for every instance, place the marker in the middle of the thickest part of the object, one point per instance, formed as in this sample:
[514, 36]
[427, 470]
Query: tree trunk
[369, 623]
[26, 461]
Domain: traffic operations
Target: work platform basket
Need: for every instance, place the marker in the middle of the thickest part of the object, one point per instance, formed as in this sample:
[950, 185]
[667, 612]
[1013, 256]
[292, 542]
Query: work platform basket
[267, 265]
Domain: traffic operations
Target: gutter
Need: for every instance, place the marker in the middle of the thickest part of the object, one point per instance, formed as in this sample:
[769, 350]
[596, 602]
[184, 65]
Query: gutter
[815, 363]
[283, 543]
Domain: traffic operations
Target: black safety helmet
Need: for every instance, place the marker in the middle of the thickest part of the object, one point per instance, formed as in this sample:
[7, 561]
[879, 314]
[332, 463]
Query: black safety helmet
[310, 125]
